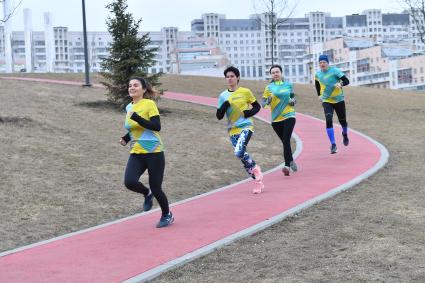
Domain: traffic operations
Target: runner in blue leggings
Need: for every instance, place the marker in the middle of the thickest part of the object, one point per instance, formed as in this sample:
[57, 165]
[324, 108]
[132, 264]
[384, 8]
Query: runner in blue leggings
[329, 82]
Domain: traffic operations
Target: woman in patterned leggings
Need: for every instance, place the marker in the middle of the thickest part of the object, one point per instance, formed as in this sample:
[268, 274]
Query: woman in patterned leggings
[239, 105]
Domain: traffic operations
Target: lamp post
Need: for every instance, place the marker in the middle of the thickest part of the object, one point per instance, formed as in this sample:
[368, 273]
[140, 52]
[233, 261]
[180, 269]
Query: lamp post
[86, 55]
[7, 37]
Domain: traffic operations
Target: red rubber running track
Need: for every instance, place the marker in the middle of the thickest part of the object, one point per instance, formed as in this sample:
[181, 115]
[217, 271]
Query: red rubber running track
[133, 250]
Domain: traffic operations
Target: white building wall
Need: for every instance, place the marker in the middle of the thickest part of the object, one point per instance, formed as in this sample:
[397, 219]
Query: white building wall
[28, 40]
[8, 36]
[374, 24]
[49, 42]
[317, 26]
[248, 49]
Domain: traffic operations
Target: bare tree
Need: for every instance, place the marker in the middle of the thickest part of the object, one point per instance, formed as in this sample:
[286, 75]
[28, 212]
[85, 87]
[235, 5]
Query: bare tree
[275, 13]
[416, 10]
[8, 14]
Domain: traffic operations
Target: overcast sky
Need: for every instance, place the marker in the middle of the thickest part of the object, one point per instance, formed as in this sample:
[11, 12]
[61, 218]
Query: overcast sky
[178, 13]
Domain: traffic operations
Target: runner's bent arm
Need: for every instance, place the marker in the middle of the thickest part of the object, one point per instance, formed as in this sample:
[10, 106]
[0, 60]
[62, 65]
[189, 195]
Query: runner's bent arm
[254, 110]
[344, 81]
[126, 138]
[153, 124]
[317, 85]
[222, 110]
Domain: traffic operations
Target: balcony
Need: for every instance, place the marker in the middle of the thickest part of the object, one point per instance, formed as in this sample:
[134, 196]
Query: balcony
[373, 78]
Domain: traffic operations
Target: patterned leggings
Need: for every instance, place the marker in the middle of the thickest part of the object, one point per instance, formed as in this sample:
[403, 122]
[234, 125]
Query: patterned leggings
[239, 142]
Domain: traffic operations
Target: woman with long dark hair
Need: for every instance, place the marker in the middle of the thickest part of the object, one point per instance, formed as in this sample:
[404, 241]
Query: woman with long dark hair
[143, 125]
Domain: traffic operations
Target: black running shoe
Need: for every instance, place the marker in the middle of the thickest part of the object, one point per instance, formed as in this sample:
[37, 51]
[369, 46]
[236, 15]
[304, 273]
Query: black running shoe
[345, 139]
[293, 166]
[165, 220]
[147, 204]
[333, 149]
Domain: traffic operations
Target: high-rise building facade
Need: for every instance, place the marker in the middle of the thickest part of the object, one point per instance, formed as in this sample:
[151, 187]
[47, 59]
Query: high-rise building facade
[215, 41]
[248, 42]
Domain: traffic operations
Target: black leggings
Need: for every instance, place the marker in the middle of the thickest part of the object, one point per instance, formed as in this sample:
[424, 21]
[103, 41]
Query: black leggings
[137, 165]
[339, 110]
[284, 131]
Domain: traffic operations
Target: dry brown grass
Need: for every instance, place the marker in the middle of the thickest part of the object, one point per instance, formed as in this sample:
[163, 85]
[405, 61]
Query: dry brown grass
[76, 77]
[374, 232]
[62, 167]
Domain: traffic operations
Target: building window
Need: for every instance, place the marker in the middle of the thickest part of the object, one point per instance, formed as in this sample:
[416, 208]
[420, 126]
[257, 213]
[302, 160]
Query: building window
[300, 69]
[363, 65]
[286, 70]
[404, 76]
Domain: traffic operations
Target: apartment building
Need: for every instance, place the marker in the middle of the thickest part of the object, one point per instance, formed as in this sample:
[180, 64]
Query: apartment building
[367, 63]
[176, 51]
[248, 43]
[215, 41]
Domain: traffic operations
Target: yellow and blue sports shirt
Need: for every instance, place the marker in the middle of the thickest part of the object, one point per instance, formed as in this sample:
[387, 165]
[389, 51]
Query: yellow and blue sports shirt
[280, 93]
[327, 80]
[239, 100]
[143, 140]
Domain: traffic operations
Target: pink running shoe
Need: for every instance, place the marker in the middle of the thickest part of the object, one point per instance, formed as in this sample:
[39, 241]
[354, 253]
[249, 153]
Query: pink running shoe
[257, 173]
[259, 186]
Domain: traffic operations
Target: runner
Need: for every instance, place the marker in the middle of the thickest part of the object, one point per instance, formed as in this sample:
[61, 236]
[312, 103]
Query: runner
[329, 82]
[143, 125]
[279, 95]
[239, 105]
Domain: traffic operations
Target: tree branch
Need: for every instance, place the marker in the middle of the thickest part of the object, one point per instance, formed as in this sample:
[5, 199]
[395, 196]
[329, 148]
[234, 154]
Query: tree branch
[8, 16]
[417, 12]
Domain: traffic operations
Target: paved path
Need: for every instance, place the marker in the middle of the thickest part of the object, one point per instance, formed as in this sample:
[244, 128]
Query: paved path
[132, 249]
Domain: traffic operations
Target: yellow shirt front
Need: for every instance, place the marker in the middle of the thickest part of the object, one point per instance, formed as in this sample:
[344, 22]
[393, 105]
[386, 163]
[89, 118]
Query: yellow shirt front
[239, 100]
[143, 140]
